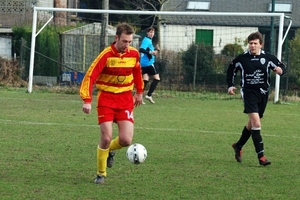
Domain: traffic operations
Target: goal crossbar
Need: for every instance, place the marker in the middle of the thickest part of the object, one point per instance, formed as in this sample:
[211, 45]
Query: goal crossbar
[189, 13]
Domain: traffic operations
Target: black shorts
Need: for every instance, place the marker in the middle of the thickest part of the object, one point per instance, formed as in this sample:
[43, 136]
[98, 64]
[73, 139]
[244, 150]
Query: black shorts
[255, 100]
[150, 70]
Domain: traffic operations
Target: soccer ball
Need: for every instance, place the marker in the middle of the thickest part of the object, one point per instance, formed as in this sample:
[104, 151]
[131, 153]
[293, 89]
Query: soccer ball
[136, 153]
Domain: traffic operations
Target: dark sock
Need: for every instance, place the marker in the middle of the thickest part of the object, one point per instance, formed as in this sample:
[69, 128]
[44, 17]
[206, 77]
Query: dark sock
[145, 83]
[258, 143]
[152, 87]
[244, 138]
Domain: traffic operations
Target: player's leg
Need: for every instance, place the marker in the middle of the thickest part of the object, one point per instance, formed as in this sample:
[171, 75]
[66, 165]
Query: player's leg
[256, 136]
[125, 132]
[246, 133]
[103, 151]
[257, 139]
[145, 77]
[125, 121]
[252, 100]
[153, 85]
[153, 72]
[114, 145]
[105, 119]
[249, 106]
[256, 128]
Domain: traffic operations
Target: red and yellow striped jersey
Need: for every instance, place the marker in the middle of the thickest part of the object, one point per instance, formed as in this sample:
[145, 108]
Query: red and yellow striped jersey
[113, 72]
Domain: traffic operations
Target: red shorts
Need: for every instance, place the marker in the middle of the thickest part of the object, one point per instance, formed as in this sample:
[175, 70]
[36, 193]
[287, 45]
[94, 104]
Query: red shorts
[106, 114]
[115, 107]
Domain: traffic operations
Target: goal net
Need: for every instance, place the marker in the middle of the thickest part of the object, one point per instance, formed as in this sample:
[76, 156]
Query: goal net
[196, 47]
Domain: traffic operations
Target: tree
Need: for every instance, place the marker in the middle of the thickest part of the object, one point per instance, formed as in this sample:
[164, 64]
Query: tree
[294, 56]
[113, 5]
[152, 5]
[204, 63]
[233, 49]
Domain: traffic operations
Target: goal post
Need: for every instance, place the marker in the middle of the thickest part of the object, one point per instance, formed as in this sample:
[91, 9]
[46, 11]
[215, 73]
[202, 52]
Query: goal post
[280, 41]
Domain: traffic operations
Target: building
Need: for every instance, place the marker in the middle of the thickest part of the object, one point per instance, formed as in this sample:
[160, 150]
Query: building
[6, 43]
[221, 30]
[80, 46]
[19, 12]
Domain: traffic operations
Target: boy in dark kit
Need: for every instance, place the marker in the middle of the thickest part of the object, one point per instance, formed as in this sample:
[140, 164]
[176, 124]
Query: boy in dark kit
[255, 66]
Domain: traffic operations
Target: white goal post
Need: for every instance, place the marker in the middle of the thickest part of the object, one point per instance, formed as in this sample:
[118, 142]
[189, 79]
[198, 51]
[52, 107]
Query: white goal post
[281, 37]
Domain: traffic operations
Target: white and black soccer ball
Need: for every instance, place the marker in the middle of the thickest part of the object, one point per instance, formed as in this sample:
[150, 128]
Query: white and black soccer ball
[136, 153]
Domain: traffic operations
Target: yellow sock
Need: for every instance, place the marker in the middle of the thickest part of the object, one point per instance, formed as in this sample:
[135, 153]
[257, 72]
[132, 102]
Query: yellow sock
[102, 155]
[114, 144]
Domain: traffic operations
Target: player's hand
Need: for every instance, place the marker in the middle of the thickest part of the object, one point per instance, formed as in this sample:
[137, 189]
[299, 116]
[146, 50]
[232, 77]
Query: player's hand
[86, 108]
[231, 90]
[155, 52]
[157, 47]
[278, 70]
[138, 99]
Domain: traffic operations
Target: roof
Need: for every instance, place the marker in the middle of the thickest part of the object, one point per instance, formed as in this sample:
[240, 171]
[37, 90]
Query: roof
[261, 6]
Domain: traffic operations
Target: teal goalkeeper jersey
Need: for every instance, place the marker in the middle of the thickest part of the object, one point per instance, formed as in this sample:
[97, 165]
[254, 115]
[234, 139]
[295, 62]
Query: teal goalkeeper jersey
[147, 60]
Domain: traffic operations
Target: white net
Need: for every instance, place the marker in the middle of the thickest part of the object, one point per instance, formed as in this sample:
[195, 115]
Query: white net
[176, 33]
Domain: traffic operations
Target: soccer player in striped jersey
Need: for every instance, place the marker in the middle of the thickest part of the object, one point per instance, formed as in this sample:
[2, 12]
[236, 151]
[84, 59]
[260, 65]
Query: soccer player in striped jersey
[115, 71]
[255, 66]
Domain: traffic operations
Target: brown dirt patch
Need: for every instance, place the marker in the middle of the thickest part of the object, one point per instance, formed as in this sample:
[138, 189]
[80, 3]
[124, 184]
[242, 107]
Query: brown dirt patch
[10, 73]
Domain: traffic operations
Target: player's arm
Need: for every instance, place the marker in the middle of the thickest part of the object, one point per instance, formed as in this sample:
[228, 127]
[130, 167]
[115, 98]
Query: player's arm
[139, 84]
[87, 84]
[280, 69]
[277, 66]
[230, 76]
[147, 48]
[144, 48]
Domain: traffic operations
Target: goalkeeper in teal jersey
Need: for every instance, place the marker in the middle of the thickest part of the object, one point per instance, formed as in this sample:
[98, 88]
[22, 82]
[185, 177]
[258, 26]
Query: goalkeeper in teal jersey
[148, 53]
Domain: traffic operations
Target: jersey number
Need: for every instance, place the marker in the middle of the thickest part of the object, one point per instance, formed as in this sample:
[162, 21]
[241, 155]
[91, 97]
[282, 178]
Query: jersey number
[129, 114]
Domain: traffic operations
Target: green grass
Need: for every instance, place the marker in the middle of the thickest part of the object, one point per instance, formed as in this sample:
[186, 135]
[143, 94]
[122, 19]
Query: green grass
[48, 150]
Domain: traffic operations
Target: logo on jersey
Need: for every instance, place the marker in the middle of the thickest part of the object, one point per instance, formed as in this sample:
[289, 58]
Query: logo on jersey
[112, 62]
[121, 78]
[262, 61]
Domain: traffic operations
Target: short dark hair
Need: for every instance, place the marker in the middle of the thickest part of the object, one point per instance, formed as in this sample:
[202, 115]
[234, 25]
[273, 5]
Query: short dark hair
[254, 36]
[124, 28]
[150, 29]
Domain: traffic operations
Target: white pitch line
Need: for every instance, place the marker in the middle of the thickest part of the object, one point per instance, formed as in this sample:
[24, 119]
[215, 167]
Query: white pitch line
[43, 100]
[3, 121]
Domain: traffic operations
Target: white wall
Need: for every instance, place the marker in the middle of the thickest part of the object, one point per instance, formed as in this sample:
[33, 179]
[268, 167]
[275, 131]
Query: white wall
[45, 3]
[44, 16]
[5, 47]
[179, 37]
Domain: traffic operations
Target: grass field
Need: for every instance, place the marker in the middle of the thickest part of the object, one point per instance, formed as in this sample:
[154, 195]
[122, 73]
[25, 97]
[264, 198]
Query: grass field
[48, 150]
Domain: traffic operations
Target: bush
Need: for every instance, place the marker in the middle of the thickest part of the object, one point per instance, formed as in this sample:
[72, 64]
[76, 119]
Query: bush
[232, 50]
[205, 63]
[294, 57]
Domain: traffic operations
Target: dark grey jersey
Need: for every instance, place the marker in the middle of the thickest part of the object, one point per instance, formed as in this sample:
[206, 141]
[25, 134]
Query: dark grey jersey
[254, 70]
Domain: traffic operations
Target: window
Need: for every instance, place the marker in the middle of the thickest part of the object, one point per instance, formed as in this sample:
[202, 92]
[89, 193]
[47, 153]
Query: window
[281, 7]
[198, 5]
[204, 36]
